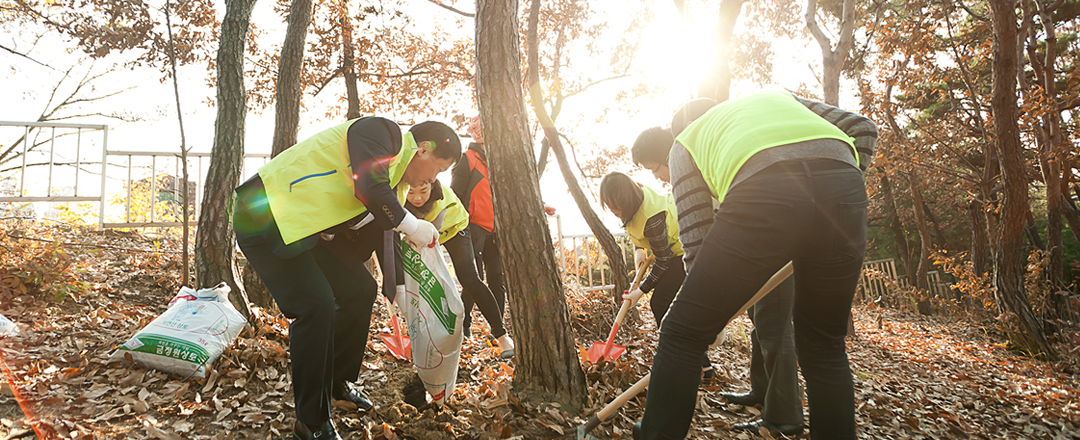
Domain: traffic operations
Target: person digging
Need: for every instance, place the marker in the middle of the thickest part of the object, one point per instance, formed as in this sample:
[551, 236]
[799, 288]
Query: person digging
[650, 221]
[787, 173]
[774, 370]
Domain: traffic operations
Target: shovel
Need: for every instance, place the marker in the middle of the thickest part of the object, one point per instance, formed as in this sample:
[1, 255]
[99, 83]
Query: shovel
[607, 411]
[609, 350]
[398, 344]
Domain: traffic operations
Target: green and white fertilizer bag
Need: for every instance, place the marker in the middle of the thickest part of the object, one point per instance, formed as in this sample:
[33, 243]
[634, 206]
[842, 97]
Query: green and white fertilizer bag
[433, 314]
[190, 335]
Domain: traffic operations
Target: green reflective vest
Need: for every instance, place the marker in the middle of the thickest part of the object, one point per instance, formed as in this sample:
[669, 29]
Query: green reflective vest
[725, 137]
[652, 204]
[456, 219]
[310, 186]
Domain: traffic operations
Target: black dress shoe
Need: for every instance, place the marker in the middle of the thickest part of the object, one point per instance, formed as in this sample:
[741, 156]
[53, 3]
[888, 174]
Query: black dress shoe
[346, 392]
[325, 432]
[636, 431]
[789, 430]
[744, 399]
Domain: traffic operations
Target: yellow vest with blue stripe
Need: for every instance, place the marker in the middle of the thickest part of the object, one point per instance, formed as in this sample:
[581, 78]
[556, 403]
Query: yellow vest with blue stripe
[310, 186]
[456, 218]
[652, 204]
[725, 137]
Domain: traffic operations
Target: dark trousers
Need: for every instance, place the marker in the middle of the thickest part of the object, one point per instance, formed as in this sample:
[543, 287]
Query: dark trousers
[488, 263]
[817, 219]
[327, 294]
[473, 290]
[664, 293]
[774, 369]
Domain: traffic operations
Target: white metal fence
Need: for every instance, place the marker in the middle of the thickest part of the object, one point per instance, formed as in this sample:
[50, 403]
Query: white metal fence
[51, 163]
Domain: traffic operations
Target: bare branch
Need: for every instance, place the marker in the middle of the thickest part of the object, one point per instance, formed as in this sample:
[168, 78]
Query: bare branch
[452, 9]
[972, 13]
[26, 56]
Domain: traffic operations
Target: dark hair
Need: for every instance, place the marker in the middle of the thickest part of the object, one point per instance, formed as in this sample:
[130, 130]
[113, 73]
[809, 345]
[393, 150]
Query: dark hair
[652, 145]
[423, 210]
[624, 194]
[447, 144]
[688, 113]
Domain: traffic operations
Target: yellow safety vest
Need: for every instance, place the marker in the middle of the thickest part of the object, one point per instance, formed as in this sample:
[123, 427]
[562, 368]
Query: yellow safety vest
[456, 219]
[310, 186]
[725, 137]
[653, 204]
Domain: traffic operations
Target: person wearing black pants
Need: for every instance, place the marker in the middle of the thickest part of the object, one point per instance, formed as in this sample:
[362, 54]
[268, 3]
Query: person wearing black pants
[774, 370]
[649, 219]
[438, 204]
[790, 188]
[471, 185]
[294, 220]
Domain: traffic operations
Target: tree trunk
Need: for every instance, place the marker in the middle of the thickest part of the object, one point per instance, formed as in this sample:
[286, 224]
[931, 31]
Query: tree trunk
[1032, 231]
[1072, 217]
[547, 357]
[215, 241]
[256, 290]
[940, 239]
[717, 83]
[348, 64]
[607, 241]
[289, 86]
[896, 225]
[920, 282]
[832, 59]
[979, 237]
[1026, 329]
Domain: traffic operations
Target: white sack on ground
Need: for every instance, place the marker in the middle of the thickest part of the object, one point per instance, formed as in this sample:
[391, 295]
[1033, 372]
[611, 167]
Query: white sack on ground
[190, 335]
[7, 327]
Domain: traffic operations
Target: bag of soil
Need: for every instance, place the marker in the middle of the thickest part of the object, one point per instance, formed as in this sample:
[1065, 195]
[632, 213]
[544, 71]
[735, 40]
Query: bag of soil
[433, 314]
[188, 337]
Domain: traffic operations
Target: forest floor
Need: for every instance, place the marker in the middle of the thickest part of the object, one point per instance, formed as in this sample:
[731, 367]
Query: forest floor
[915, 376]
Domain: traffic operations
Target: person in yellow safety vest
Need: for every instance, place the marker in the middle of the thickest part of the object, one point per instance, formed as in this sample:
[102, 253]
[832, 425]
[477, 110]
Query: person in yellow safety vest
[774, 369]
[650, 220]
[787, 174]
[436, 203]
[339, 183]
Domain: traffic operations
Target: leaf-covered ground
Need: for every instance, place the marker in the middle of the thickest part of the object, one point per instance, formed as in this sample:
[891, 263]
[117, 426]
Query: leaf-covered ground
[916, 377]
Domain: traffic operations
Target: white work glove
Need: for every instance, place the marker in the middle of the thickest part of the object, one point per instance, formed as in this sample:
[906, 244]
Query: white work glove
[426, 234]
[633, 296]
[418, 232]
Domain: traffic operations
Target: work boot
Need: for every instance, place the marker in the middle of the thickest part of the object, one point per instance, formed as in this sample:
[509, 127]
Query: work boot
[744, 399]
[788, 430]
[507, 346]
[345, 391]
[636, 431]
[325, 431]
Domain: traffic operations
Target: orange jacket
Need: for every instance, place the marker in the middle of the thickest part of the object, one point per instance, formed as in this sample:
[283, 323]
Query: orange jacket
[470, 183]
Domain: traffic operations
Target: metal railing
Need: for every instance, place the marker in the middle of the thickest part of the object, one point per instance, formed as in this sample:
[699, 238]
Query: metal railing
[170, 192]
[152, 178]
[29, 147]
[581, 256]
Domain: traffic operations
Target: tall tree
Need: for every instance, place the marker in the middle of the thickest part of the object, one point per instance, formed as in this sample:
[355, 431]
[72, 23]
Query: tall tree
[1008, 257]
[547, 362]
[832, 59]
[551, 135]
[289, 86]
[717, 83]
[215, 240]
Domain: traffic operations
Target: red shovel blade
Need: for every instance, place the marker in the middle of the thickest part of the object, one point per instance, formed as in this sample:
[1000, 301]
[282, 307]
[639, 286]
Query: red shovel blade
[596, 352]
[399, 345]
